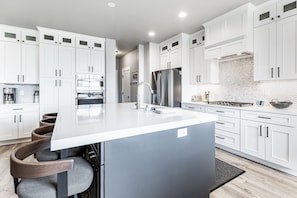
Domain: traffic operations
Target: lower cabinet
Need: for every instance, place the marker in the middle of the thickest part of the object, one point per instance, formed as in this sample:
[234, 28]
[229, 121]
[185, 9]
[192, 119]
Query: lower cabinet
[274, 143]
[18, 122]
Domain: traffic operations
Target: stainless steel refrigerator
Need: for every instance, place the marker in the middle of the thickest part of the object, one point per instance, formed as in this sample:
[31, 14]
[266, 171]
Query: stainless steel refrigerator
[167, 87]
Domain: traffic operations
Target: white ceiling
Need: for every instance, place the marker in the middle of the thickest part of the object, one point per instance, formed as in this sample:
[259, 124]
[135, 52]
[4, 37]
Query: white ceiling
[128, 23]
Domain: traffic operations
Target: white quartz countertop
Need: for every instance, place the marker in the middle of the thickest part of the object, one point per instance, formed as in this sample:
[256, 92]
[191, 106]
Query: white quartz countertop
[82, 125]
[291, 110]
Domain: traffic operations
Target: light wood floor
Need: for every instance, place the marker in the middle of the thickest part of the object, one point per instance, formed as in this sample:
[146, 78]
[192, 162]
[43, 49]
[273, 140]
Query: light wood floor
[257, 182]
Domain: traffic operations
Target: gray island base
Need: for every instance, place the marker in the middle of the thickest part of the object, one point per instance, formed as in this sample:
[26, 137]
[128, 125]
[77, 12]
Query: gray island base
[160, 165]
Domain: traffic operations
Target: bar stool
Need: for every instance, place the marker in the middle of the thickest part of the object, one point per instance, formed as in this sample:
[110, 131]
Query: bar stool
[49, 115]
[39, 179]
[47, 121]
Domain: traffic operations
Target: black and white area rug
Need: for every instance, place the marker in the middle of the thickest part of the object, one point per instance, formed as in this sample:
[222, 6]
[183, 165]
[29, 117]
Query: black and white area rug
[225, 172]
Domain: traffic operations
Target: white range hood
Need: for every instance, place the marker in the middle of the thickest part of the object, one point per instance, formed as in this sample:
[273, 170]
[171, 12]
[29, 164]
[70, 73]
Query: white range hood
[230, 36]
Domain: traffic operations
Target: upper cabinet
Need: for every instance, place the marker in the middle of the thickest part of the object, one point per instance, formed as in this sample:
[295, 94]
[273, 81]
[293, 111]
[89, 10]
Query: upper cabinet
[230, 34]
[171, 53]
[275, 41]
[201, 71]
[18, 55]
[90, 55]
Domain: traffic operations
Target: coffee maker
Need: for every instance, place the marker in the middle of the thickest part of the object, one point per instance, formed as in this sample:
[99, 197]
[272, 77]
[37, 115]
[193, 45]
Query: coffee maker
[9, 95]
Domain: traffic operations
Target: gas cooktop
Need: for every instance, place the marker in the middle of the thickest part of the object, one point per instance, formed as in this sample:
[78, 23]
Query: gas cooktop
[229, 103]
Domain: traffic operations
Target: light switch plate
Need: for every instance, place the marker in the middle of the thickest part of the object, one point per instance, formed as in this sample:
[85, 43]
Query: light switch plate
[182, 132]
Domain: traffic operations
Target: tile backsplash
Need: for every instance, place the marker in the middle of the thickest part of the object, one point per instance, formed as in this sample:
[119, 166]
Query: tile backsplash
[237, 84]
[24, 93]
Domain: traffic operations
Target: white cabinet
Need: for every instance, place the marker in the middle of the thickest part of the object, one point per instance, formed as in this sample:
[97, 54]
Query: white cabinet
[227, 127]
[57, 70]
[55, 93]
[193, 107]
[230, 34]
[90, 55]
[171, 53]
[275, 46]
[275, 142]
[201, 70]
[18, 122]
[19, 55]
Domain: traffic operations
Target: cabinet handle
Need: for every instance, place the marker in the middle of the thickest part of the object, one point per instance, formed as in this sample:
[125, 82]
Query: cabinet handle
[191, 107]
[60, 83]
[267, 118]
[23, 78]
[14, 118]
[20, 118]
[220, 111]
[220, 137]
[197, 78]
[18, 78]
[272, 72]
[16, 109]
[56, 72]
[92, 69]
[278, 71]
[260, 130]
[222, 123]
[89, 69]
[267, 129]
[60, 72]
[55, 83]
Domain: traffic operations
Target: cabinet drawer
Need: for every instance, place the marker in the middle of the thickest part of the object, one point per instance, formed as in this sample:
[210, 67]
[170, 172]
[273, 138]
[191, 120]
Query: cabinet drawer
[223, 111]
[194, 107]
[278, 119]
[228, 124]
[227, 139]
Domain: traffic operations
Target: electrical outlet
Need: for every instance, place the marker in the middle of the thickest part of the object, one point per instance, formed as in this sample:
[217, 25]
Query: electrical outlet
[182, 132]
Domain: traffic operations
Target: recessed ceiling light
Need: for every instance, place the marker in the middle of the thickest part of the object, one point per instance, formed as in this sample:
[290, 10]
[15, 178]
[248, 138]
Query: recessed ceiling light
[111, 4]
[151, 33]
[182, 14]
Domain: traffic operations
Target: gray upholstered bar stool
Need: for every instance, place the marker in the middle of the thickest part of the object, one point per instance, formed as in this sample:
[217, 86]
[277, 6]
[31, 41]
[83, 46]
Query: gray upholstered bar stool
[47, 121]
[49, 115]
[39, 179]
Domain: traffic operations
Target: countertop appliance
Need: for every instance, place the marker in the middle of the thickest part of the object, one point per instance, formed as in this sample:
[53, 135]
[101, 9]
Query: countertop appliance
[9, 95]
[89, 89]
[167, 86]
[230, 103]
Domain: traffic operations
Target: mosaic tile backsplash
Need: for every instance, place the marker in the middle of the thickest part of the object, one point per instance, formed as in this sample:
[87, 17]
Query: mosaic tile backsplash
[237, 84]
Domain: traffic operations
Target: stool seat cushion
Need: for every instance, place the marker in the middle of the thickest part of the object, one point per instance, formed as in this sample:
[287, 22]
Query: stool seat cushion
[79, 180]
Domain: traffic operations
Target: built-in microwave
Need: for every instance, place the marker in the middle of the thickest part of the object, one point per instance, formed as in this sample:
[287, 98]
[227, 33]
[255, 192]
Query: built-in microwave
[89, 89]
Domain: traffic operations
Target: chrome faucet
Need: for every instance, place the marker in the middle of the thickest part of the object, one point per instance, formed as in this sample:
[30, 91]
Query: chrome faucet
[138, 98]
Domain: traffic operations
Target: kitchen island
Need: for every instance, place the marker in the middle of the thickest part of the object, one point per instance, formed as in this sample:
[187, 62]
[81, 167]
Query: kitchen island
[143, 154]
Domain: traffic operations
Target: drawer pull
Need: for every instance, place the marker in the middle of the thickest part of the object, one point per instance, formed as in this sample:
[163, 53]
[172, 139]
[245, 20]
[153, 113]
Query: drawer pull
[260, 130]
[220, 137]
[191, 107]
[264, 117]
[220, 111]
[220, 123]
[17, 109]
[267, 132]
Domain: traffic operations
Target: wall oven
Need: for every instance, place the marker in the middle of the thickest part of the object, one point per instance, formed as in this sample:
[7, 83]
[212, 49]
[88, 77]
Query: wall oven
[89, 89]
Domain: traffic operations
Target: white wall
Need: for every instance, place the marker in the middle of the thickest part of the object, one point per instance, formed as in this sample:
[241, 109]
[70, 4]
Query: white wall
[111, 93]
[237, 84]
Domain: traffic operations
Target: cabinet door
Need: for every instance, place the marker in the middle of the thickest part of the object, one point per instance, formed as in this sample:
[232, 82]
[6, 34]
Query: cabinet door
[98, 44]
[84, 43]
[10, 34]
[281, 145]
[213, 33]
[286, 8]
[9, 127]
[265, 14]
[66, 62]
[196, 67]
[10, 63]
[30, 37]
[97, 62]
[83, 60]
[48, 89]
[67, 40]
[164, 47]
[49, 60]
[265, 52]
[287, 48]
[252, 138]
[49, 37]
[164, 61]
[234, 25]
[66, 92]
[28, 121]
[30, 66]
[175, 58]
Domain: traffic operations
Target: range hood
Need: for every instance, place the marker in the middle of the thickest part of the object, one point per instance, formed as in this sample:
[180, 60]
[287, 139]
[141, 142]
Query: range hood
[230, 36]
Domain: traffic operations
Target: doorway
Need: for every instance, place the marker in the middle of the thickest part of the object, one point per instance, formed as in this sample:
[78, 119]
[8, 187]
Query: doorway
[126, 84]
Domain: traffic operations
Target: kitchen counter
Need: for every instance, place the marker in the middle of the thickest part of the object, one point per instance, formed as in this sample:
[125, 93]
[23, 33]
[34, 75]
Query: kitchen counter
[291, 110]
[170, 154]
[82, 125]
